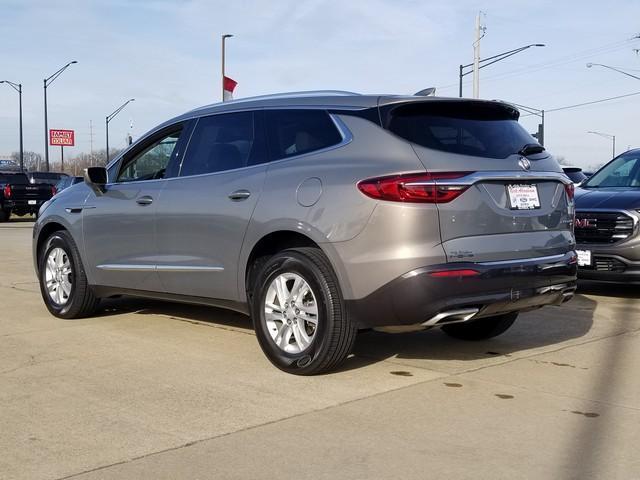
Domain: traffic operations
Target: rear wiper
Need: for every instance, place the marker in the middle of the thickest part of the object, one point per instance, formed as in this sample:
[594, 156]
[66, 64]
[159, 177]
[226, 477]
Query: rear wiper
[530, 149]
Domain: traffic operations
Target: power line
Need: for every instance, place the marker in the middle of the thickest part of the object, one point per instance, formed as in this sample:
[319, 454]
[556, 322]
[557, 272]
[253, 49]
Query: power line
[587, 103]
[564, 60]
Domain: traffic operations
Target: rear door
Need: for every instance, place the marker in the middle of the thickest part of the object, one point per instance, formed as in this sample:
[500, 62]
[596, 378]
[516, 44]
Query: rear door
[515, 205]
[204, 211]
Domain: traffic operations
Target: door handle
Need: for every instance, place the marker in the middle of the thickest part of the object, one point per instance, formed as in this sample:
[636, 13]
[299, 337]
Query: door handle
[145, 200]
[239, 195]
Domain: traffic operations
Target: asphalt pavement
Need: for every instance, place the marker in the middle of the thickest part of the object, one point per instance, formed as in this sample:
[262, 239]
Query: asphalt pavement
[154, 390]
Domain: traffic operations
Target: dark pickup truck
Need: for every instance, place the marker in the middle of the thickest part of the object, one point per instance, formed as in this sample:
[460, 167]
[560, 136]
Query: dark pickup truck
[19, 196]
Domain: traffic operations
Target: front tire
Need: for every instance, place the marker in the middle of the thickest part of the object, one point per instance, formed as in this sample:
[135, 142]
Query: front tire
[482, 328]
[299, 314]
[63, 282]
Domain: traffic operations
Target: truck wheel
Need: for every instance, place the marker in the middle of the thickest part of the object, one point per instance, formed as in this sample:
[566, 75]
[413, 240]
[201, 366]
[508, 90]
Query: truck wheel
[63, 282]
[482, 328]
[5, 215]
[298, 313]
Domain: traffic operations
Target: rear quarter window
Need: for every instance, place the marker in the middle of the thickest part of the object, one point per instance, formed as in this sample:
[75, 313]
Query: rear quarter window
[468, 128]
[295, 132]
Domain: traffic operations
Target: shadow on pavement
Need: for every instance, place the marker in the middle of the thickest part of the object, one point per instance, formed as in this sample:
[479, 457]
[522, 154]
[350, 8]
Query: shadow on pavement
[178, 311]
[622, 290]
[540, 328]
[544, 327]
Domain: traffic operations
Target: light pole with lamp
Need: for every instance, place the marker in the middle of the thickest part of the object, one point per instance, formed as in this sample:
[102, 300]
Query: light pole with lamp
[493, 59]
[610, 137]
[589, 65]
[18, 88]
[48, 81]
[110, 117]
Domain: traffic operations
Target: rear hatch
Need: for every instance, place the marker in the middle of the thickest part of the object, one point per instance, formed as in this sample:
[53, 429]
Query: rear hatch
[515, 202]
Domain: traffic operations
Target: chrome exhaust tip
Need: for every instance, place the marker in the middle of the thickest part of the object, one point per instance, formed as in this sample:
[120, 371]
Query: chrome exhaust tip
[452, 316]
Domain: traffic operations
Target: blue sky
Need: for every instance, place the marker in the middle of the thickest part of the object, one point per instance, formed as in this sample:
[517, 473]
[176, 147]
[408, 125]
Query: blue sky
[166, 54]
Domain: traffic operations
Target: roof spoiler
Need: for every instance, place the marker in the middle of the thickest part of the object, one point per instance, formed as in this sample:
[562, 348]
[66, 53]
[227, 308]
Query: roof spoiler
[431, 91]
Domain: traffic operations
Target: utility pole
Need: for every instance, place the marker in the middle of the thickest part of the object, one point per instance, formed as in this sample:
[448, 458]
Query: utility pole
[480, 29]
[224, 39]
[91, 137]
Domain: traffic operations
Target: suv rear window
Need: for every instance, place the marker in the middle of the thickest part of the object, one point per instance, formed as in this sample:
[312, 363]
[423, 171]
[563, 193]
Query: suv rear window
[468, 128]
[294, 132]
[14, 178]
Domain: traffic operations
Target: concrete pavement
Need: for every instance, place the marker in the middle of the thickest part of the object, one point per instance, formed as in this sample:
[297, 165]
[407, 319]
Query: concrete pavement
[157, 390]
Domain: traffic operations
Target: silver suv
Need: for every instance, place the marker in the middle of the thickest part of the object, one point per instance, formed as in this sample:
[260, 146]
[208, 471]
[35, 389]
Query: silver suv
[320, 214]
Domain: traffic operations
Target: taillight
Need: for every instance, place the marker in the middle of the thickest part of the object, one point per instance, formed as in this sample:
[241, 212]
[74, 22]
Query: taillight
[414, 187]
[570, 189]
[54, 190]
[466, 272]
[6, 191]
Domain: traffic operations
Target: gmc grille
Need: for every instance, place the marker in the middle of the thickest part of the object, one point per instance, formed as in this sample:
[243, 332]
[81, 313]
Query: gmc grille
[606, 264]
[602, 227]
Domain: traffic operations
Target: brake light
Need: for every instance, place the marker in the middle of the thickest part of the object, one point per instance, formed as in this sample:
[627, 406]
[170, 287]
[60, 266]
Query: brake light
[467, 272]
[6, 191]
[570, 189]
[414, 187]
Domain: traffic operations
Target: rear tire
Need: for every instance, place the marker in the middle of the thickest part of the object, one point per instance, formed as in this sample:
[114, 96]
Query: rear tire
[482, 328]
[5, 215]
[63, 282]
[298, 313]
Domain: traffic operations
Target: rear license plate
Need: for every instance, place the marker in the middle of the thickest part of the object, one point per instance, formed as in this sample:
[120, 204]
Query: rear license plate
[584, 258]
[523, 197]
[31, 202]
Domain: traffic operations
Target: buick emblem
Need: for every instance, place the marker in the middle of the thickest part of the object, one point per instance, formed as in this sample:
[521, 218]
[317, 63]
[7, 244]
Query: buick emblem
[524, 163]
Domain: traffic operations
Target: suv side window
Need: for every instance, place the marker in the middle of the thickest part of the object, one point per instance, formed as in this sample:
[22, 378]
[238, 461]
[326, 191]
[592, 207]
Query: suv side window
[150, 163]
[224, 142]
[294, 132]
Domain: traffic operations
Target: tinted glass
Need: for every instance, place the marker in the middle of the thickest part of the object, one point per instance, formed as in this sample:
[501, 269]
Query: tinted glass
[14, 178]
[294, 132]
[576, 176]
[62, 184]
[469, 129]
[223, 142]
[152, 162]
[624, 171]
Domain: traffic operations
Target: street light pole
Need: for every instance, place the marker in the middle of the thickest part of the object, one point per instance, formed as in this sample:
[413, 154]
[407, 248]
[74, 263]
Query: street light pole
[589, 65]
[18, 88]
[493, 59]
[224, 39]
[610, 137]
[110, 117]
[48, 81]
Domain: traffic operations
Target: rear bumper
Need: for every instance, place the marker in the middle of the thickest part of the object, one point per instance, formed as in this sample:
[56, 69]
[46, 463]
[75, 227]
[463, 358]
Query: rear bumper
[23, 205]
[501, 287]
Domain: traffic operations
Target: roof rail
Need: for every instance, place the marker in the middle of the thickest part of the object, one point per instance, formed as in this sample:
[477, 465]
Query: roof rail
[309, 93]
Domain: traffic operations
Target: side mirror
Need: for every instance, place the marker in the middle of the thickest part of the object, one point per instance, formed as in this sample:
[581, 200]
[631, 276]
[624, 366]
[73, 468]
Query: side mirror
[96, 179]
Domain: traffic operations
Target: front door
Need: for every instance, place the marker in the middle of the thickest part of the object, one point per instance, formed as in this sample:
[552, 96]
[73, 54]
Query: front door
[203, 213]
[119, 226]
